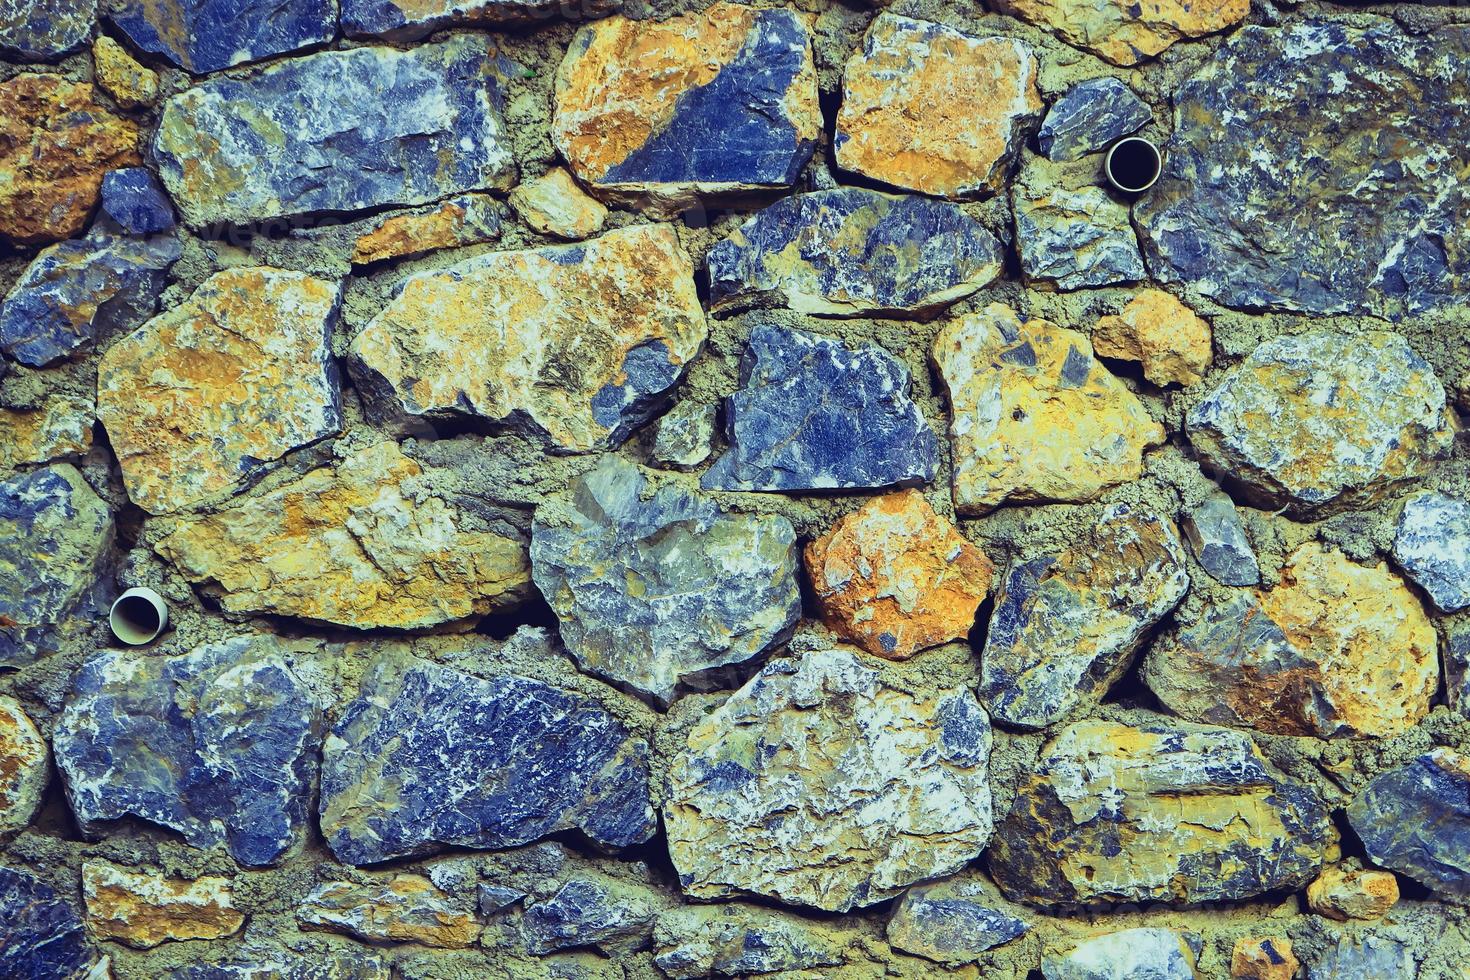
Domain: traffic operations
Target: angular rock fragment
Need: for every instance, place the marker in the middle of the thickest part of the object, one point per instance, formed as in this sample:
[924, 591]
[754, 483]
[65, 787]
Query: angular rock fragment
[854, 252]
[1416, 820]
[219, 745]
[1066, 626]
[818, 784]
[553, 204]
[1132, 954]
[1120, 814]
[894, 577]
[1457, 665]
[1090, 116]
[1173, 345]
[1324, 419]
[1125, 32]
[684, 436]
[1343, 894]
[952, 921]
[590, 910]
[703, 107]
[40, 30]
[490, 899]
[1033, 415]
[1363, 957]
[1071, 233]
[427, 757]
[660, 592]
[338, 131]
[927, 108]
[1263, 958]
[24, 767]
[1264, 121]
[203, 36]
[1218, 540]
[576, 344]
[143, 909]
[814, 414]
[269, 962]
[41, 934]
[408, 20]
[364, 543]
[135, 202]
[61, 426]
[199, 400]
[130, 84]
[465, 220]
[401, 908]
[735, 940]
[1432, 545]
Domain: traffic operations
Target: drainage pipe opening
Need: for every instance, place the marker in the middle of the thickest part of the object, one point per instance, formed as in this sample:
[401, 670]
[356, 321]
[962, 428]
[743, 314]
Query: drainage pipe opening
[1132, 165]
[138, 616]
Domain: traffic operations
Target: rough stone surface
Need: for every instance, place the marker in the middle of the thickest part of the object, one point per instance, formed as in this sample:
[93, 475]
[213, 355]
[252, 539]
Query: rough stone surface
[337, 131]
[200, 400]
[40, 30]
[406, 20]
[1114, 813]
[465, 220]
[894, 577]
[24, 768]
[1215, 535]
[1344, 894]
[1364, 957]
[553, 204]
[1324, 418]
[364, 543]
[56, 142]
[1072, 233]
[1066, 625]
[61, 426]
[75, 293]
[402, 908]
[818, 784]
[492, 899]
[144, 909]
[1262, 123]
[1432, 545]
[1263, 958]
[927, 108]
[814, 414]
[41, 934]
[207, 35]
[1335, 649]
[1132, 954]
[1155, 329]
[952, 921]
[218, 745]
[134, 200]
[697, 108]
[427, 757]
[1125, 32]
[1033, 415]
[854, 252]
[131, 85]
[1416, 820]
[734, 940]
[1091, 115]
[589, 910]
[661, 592]
[684, 436]
[267, 963]
[1457, 666]
[574, 343]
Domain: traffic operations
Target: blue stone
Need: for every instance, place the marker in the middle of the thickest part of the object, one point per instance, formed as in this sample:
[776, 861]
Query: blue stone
[587, 911]
[813, 414]
[1457, 665]
[1416, 820]
[40, 30]
[1091, 115]
[953, 921]
[1366, 957]
[271, 962]
[134, 200]
[41, 934]
[407, 20]
[207, 35]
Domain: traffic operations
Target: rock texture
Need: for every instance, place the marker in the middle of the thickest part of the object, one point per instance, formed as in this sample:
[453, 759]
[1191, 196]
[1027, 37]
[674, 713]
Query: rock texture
[818, 784]
[131, 85]
[1353, 894]
[428, 757]
[1432, 545]
[1173, 345]
[1033, 415]
[854, 252]
[1072, 233]
[1364, 957]
[1416, 820]
[144, 909]
[684, 437]
[732, 939]
[469, 219]
[599, 911]
[337, 131]
[60, 426]
[1263, 958]
[952, 921]
[698, 108]
[1125, 32]
[24, 767]
[403, 908]
[39, 30]
[660, 592]
[406, 20]
[1120, 814]
[365, 542]
[134, 201]
[928, 108]
[553, 204]
[41, 934]
[208, 35]
[1219, 542]
[1091, 115]
[1132, 954]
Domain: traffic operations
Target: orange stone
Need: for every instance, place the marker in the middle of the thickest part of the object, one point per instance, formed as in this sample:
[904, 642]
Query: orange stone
[1126, 32]
[1165, 336]
[1263, 958]
[1342, 893]
[144, 909]
[465, 220]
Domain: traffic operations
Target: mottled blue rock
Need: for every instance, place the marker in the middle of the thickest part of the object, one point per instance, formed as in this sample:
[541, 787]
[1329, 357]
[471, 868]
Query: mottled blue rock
[207, 35]
[1071, 233]
[408, 20]
[1363, 958]
[39, 30]
[55, 535]
[274, 963]
[219, 745]
[1432, 546]
[953, 921]
[338, 131]
[1133, 954]
[41, 935]
[1416, 820]
[732, 939]
[590, 910]
[135, 202]
[1457, 665]
[1217, 538]
[684, 436]
[1090, 116]
[813, 414]
[428, 757]
[490, 899]
[77, 292]
[854, 252]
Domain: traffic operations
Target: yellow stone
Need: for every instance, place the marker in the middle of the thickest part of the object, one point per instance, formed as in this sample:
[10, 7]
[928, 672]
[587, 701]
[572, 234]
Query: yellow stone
[465, 220]
[1263, 958]
[1173, 344]
[401, 908]
[143, 909]
[131, 85]
[1342, 894]
[23, 767]
[1126, 32]
[62, 426]
[553, 204]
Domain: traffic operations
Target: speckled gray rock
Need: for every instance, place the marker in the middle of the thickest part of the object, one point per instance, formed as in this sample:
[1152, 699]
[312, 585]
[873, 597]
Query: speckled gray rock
[814, 414]
[661, 592]
[1215, 535]
[207, 35]
[1090, 116]
[427, 757]
[1132, 954]
[1071, 233]
[1365, 957]
[1416, 820]
[1342, 194]
[1457, 665]
[39, 30]
[338, 131]
[684, 437]
[237, 767]
[953, 921]
[733, 939]
[590, 910]
[492, 899]
[1432, 545]
[41, 933]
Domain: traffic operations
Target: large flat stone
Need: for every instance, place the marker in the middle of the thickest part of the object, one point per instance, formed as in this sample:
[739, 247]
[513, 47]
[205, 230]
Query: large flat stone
[1416, 820]
[144, 909]
[400, 908]
[1432, 545]
[208, 35]
[733, 939]
[953, 921]
[408, 20]
[1126, 32]
[1130, 954]
[1091, 114]
[1070, 232]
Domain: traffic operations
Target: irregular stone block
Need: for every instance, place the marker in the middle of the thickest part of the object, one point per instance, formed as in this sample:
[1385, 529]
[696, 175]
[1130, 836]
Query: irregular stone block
[553, 204]
[1132, 954]
[1416, 820]
[145, 909]
[40, 30]
[1324, 418]
[203, 36]
[1364, 958]
[338, 131]
[269, 962]
[466, 220]
[661, 592]
[1344, 894]
[818, 784]
[56, 142]
[952, 921]
[1119, 814]
[814, 414]
[684, 436]
[427, 757]
[61, 426]
[1070, 232]
[894, 577]
[1218, 541]
[590, 910]
[1258, 127]
[408, 20]
[1432, 545]
[24, 768]
[1173, 345]
[734, 940]
[575, 344]
[135, 202]
[854, 252]
[41, 934]
[1124, 32]
[490, 899]
[402, 908]
[927, 108]
[1090, 116]
[1263, 958]
[130, 84]
[1457, 666]
[1033, 415]
[201, 399]
[699, 108]
[236, 768]
[1066, 626]
[364, 543]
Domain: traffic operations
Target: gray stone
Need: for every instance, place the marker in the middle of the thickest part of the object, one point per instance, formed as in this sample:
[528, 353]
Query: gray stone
[41, 934]
[953, 921]
[408, 20]
[491, 899]
[1365, 957]
[590, 910]
[39, 30]
[1070, 232]
[1432, 545]
[1132, 954]
[1457, 665]
[1091, 115]
[1304, 173]
[134, 200]
[1215, 535]
[814, 414]
[208, 35]
[338, 131]
[733, 939]
[684, 437]
[1416, 820]
[662, 592]
[273, 963]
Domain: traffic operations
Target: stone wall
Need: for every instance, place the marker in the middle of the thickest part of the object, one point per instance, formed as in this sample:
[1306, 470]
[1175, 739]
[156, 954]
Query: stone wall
[709, 490]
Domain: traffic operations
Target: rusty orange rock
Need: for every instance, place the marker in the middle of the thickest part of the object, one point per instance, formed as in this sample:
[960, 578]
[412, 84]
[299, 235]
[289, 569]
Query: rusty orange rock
[1165, 336]
[62, 426]
[1344, 893]
[143, 910]
[894, 577]
[465, 220]
[1263, 958]
[132, 85]
[1126, 32]
[400, 908]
